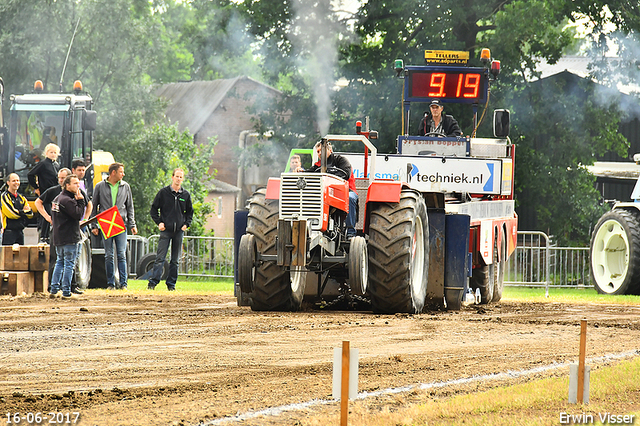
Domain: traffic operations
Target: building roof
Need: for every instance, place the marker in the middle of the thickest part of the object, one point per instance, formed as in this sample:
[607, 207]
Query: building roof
[215, 185]
[579, 65]
[615, 170]
[193, 102]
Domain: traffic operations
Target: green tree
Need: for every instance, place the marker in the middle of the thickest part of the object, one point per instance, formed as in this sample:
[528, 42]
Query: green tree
[149, 160]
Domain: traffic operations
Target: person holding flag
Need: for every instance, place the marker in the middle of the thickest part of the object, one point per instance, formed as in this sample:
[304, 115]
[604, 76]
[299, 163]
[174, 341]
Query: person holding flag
[66, 211]
[113, 208]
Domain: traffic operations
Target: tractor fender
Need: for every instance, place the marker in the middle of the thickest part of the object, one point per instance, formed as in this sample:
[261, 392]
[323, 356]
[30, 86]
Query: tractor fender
[273, 189]
[386, 191]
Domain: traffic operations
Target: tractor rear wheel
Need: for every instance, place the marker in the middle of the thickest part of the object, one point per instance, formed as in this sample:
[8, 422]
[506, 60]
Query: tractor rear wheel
[399, 254]
[615, 253]
[274, 287]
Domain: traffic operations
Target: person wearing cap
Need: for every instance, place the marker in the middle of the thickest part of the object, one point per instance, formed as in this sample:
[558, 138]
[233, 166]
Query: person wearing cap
[434, 121]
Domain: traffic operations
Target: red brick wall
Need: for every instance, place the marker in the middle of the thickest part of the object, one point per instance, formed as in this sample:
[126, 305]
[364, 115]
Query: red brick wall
[227, 121]
[221, 220]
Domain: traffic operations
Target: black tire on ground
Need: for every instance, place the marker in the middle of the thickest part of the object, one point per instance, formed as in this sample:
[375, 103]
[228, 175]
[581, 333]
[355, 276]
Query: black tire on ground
[275, 288]
[99, 273]
[615, 253]
[500, 268]
[483, 278]
[83, 265]
[453, 298]
[247, 256]
[145, 264]
[358, 265]
[399, 254]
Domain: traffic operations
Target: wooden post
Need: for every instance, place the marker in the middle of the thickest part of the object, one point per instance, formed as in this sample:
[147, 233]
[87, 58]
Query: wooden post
[581, 362]
[344, 392]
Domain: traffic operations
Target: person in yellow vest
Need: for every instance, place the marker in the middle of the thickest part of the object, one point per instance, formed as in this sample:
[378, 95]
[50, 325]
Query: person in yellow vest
[15, 213]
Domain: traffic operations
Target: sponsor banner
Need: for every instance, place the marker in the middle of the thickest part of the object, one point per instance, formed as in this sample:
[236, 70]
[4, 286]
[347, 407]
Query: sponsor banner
[436, 174]
[507, 172]
[446, 57]
[421, 145]
[486, 241]
[485, 209]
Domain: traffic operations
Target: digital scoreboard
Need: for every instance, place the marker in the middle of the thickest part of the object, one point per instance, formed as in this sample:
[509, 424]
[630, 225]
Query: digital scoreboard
[459, 85]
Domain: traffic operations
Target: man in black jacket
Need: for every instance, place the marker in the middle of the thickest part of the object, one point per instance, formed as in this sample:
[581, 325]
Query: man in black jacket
[172, 211]
[15, 212]
[341, 167]
[437, 122]
[66, 211]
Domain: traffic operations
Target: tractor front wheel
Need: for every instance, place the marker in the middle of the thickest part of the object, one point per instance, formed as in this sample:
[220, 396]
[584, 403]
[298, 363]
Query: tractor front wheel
[274, 288]
[358, 265]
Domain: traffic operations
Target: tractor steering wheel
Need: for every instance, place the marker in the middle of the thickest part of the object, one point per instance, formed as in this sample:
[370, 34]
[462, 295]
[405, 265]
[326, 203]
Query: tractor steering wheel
[436, 134]
[338, 172]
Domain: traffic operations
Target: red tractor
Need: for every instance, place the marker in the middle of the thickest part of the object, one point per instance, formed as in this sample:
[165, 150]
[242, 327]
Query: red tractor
[297, 225]
[437, 218]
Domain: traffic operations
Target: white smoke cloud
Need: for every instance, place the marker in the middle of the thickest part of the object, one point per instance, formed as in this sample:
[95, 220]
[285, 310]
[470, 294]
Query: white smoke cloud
[620, 75]
[314, 36]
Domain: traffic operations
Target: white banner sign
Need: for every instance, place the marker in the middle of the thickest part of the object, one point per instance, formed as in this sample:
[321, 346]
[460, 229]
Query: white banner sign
[436, 174]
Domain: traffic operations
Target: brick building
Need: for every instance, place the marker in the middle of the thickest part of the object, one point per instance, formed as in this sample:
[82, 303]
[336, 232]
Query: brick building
[220, 108]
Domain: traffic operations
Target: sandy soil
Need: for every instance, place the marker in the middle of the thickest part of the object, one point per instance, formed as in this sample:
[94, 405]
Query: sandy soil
[171, 359]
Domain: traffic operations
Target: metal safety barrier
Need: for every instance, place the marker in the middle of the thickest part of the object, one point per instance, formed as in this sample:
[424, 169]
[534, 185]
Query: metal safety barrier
[202, 256]
[536, 263]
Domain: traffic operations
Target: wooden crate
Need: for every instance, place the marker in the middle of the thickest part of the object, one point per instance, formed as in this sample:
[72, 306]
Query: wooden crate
[15, 283]
[39, 257]
[40, 281]
[14, 259]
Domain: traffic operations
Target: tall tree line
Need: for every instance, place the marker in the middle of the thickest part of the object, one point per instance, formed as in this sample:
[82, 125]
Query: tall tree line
[123, 49]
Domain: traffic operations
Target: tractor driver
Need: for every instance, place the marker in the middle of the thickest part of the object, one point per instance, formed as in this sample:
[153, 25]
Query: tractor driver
[437, 123]
[341, 167]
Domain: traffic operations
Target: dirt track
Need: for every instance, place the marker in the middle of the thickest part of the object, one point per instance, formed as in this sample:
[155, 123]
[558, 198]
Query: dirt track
[164, 359]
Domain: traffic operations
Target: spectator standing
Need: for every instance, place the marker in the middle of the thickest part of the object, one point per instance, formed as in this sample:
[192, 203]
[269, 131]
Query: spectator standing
[43, 204]
[15, 213]
[44, 175]
[67, 210]
[114, 191]
[172, 211]
[78, 168]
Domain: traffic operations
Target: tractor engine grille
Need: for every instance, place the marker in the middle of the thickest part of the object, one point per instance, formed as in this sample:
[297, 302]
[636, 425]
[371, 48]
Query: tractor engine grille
[301, 197]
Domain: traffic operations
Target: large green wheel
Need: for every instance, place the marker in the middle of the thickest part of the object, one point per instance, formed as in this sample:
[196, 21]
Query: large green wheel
[615, 253]
[274, 288]
[399, 254]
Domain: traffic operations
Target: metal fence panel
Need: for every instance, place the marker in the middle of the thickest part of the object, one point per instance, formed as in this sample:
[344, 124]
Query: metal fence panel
[203, 256]
[535, 263]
